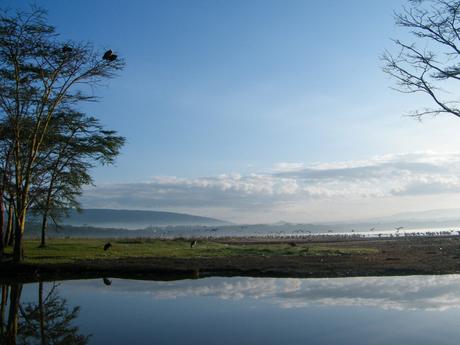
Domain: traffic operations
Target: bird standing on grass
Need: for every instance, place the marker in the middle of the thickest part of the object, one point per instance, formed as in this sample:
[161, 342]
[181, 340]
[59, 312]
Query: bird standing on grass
[193, 243]
[107, 246]
[107, 281]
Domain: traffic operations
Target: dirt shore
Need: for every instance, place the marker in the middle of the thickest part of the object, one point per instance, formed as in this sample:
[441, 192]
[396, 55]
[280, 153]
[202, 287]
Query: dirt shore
[397, 256]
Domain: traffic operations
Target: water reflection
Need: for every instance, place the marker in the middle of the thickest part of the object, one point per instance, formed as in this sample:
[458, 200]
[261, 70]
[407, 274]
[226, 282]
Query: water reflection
[397, 293]
[233, 310]
[49, 320]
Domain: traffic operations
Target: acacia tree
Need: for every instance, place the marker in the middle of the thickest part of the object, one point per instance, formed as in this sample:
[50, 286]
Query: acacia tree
[39, 75]
[75, 143]
[430, 64]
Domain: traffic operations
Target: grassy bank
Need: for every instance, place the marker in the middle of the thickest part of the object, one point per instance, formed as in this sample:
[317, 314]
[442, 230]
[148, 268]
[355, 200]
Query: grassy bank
[174, 259]
[61, 251]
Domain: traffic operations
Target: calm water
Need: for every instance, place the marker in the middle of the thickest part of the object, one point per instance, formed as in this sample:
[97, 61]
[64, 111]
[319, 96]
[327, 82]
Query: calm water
[386, 310]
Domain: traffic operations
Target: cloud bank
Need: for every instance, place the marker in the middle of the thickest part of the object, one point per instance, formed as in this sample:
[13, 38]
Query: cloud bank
[295, 190]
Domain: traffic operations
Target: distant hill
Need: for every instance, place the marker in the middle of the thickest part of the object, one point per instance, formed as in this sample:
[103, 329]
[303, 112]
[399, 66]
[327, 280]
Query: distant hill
[134, 219]
[86, 231]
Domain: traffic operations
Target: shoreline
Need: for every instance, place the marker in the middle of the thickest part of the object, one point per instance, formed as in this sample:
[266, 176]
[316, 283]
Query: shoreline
[398, 256]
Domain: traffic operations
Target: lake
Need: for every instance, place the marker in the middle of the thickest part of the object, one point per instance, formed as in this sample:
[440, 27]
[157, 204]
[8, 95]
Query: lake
[238, 310]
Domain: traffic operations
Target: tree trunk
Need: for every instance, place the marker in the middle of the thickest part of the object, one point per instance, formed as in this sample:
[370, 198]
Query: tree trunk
[2, 220]
[9, 226]
[45, 212]
[44, 225]
[18, 251]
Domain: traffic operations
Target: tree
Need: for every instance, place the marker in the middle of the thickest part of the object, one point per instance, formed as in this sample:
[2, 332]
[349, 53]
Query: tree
[431, 63]
[75, 142]
[40, 75]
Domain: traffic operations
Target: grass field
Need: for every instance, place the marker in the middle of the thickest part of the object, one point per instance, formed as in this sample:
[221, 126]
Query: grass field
[73, 250]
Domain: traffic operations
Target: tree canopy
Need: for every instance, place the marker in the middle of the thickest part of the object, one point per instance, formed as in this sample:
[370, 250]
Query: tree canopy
[47, 146]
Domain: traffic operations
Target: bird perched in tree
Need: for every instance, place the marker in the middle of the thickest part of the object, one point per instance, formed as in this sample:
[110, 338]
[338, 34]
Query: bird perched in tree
[193, 244]
[107, 246]
[109, 56]
[66, 49]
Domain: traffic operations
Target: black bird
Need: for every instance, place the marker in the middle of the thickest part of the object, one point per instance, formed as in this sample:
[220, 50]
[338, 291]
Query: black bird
[66, 49]
[107, 54]
[107, 281]
[107, 246]
[193, 244]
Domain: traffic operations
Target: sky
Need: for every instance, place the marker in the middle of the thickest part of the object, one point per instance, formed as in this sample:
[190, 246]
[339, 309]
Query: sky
[260, 111]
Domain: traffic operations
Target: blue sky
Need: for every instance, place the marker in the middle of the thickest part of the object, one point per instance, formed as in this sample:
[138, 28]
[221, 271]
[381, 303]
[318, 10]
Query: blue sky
[228, 90]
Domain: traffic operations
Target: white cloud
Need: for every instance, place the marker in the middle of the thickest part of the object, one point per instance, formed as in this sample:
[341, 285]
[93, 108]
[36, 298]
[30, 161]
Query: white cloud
[286, 166]
[292, 188]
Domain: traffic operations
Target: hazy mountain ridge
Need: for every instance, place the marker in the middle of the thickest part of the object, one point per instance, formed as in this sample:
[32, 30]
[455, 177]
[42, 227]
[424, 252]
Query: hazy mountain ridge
[135, 219]
[131, 223]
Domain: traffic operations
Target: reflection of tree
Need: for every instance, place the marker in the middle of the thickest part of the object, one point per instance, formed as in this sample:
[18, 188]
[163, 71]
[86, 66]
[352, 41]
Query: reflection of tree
[2, 311]
[9, 324]
[49, 322]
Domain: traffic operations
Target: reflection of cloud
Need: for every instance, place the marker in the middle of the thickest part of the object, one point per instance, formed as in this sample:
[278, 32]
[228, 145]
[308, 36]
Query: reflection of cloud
[402, 174]
[402, 293]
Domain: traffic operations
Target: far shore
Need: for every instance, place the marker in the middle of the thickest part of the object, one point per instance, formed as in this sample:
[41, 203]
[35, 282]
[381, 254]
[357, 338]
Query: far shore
[175, 259]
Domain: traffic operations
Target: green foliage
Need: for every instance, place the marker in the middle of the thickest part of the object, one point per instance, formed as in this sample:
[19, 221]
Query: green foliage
[46, 146]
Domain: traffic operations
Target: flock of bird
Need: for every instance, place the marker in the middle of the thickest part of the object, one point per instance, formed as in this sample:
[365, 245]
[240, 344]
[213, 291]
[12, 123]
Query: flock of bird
[307, 234]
